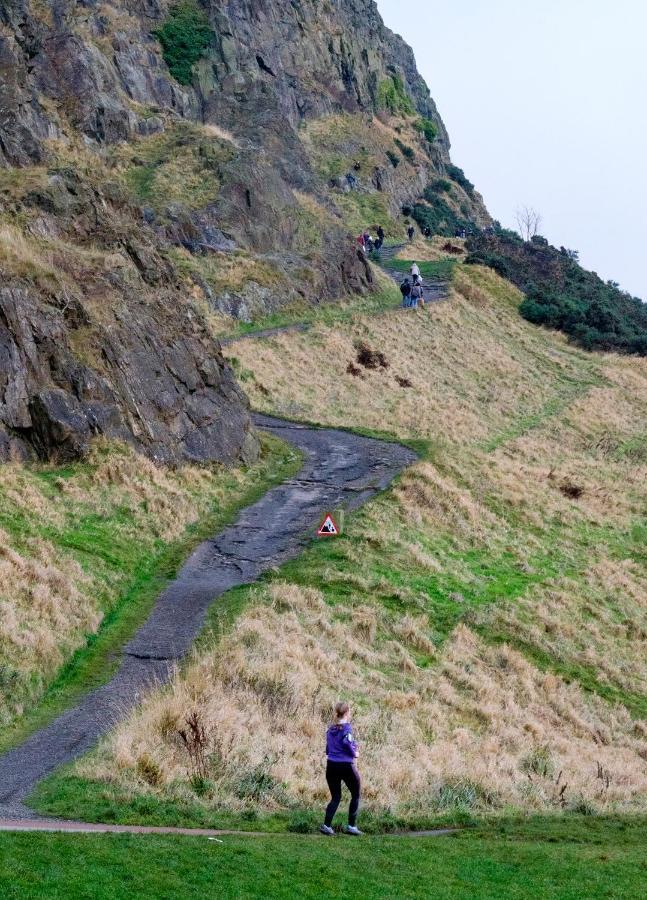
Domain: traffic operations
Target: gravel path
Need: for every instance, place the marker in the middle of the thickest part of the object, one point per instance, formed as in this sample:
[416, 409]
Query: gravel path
[340, 469]
[69, 827]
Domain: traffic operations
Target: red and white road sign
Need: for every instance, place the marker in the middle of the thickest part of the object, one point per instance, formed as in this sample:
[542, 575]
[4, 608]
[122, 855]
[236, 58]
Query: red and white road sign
[328, 527]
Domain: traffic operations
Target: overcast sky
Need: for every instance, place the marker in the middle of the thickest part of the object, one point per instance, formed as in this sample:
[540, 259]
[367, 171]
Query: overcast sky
[546, 105]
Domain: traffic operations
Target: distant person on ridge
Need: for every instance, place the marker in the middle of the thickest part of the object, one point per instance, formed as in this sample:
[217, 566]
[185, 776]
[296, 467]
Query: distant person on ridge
[411, 232]
[380, 234]
[405, 290]
[341, 753]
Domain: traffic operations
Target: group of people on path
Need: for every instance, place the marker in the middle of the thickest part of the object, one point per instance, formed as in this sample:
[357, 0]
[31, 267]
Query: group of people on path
[370, 244]
[412, 289]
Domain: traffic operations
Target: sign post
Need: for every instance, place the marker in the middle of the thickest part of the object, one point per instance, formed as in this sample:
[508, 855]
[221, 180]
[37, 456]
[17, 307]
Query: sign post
[328, 527]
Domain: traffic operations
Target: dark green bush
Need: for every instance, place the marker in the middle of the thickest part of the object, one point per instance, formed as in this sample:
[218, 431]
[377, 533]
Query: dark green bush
[428, 128]
[392, 96]
[184, 36]
[459, 177]
[561, 294]
[394, 159]
[439, 217]
[407, 152]
[439, 186]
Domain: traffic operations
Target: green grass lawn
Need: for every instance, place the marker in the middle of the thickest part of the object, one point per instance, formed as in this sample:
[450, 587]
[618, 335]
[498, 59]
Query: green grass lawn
[548, 859]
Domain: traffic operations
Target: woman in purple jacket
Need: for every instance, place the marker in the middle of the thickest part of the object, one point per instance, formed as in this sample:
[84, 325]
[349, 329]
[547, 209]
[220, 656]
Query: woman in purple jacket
[341, 753]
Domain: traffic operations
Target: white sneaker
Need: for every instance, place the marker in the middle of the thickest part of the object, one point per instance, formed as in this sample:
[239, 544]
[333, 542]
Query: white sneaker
[352, 829]
[326, 829]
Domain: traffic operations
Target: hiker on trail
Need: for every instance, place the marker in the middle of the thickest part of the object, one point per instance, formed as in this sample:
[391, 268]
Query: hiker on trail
[416, 295]
[368, 241]
[380, 234]
[415, 271]
[411, 232]
[341, 753]
[427, 231]
[360, 242]
[405, 290]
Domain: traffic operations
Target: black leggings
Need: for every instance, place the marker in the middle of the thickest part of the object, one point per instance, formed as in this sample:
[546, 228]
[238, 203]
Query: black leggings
[336, 773]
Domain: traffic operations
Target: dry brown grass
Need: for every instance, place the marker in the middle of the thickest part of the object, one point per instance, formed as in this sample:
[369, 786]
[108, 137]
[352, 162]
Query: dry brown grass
[474, 365]
[477, 719]
[429, 250]
[71, 543]
[482, 540]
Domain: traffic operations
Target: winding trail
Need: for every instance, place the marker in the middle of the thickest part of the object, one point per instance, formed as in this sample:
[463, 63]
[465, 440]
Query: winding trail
[340, 470]
[435, 292]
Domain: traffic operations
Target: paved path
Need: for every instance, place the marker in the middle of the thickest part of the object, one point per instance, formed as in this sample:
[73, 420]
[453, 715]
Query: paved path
[340, 469]
[435, 291]
[264, 333]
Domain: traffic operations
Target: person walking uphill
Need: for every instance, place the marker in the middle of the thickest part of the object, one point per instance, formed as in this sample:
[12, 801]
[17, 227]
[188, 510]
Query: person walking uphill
[341, 753]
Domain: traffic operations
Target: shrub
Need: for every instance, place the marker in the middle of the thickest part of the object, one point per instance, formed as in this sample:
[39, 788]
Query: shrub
[428, 128]
[439, 186]
[184, 36]
[560, 294]
[439, 217]
[407, 152]
[392, 96]
[394, 159]
[456, 174]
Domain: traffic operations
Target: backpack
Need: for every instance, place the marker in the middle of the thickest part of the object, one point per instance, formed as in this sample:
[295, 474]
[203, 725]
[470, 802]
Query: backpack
[405, 288]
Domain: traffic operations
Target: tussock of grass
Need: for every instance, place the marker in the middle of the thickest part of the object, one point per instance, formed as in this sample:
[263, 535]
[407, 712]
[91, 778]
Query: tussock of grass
[180, 165]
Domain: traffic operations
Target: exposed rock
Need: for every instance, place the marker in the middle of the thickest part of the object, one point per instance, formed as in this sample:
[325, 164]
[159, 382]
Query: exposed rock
[99, 328]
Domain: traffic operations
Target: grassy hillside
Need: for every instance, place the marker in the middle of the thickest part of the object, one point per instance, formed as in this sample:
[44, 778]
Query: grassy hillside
[84, 551]
[486, 616]
[595, 314]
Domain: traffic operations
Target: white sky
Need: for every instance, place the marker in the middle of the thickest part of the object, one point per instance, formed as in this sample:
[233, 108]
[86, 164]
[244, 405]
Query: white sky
[546, 105]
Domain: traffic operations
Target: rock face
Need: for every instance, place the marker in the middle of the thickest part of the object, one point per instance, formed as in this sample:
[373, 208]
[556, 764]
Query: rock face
[133, 207]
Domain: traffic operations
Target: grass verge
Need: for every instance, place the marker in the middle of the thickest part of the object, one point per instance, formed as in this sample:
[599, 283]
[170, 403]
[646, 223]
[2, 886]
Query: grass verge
[552, 859]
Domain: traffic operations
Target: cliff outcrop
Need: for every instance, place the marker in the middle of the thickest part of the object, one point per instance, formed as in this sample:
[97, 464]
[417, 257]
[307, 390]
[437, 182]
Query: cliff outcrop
[139, 206]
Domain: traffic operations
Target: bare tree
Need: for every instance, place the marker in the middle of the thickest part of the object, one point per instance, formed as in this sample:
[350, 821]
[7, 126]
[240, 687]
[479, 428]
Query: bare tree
[528, 221]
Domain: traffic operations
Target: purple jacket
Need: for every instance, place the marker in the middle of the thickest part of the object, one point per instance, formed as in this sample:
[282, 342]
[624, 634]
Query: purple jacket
[340, 744]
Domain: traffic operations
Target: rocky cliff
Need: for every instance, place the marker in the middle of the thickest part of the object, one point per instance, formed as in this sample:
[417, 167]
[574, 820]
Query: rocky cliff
[138, 203]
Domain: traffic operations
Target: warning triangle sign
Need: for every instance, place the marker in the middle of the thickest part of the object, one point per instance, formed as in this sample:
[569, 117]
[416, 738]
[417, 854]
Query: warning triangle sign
[328, 527]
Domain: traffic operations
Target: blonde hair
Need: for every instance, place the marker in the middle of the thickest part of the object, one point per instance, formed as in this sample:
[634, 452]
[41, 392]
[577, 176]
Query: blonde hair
[342, 708]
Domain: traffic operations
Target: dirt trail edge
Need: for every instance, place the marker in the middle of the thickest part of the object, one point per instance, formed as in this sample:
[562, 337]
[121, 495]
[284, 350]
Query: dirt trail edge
[340, 469]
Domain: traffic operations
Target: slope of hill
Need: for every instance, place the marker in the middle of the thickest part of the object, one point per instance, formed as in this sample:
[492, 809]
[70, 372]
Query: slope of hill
[486, 616]
[561, 294]
[164, 162]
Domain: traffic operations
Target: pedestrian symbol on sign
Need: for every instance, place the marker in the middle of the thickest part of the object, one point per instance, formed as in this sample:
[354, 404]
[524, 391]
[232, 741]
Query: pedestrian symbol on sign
[328, 527]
